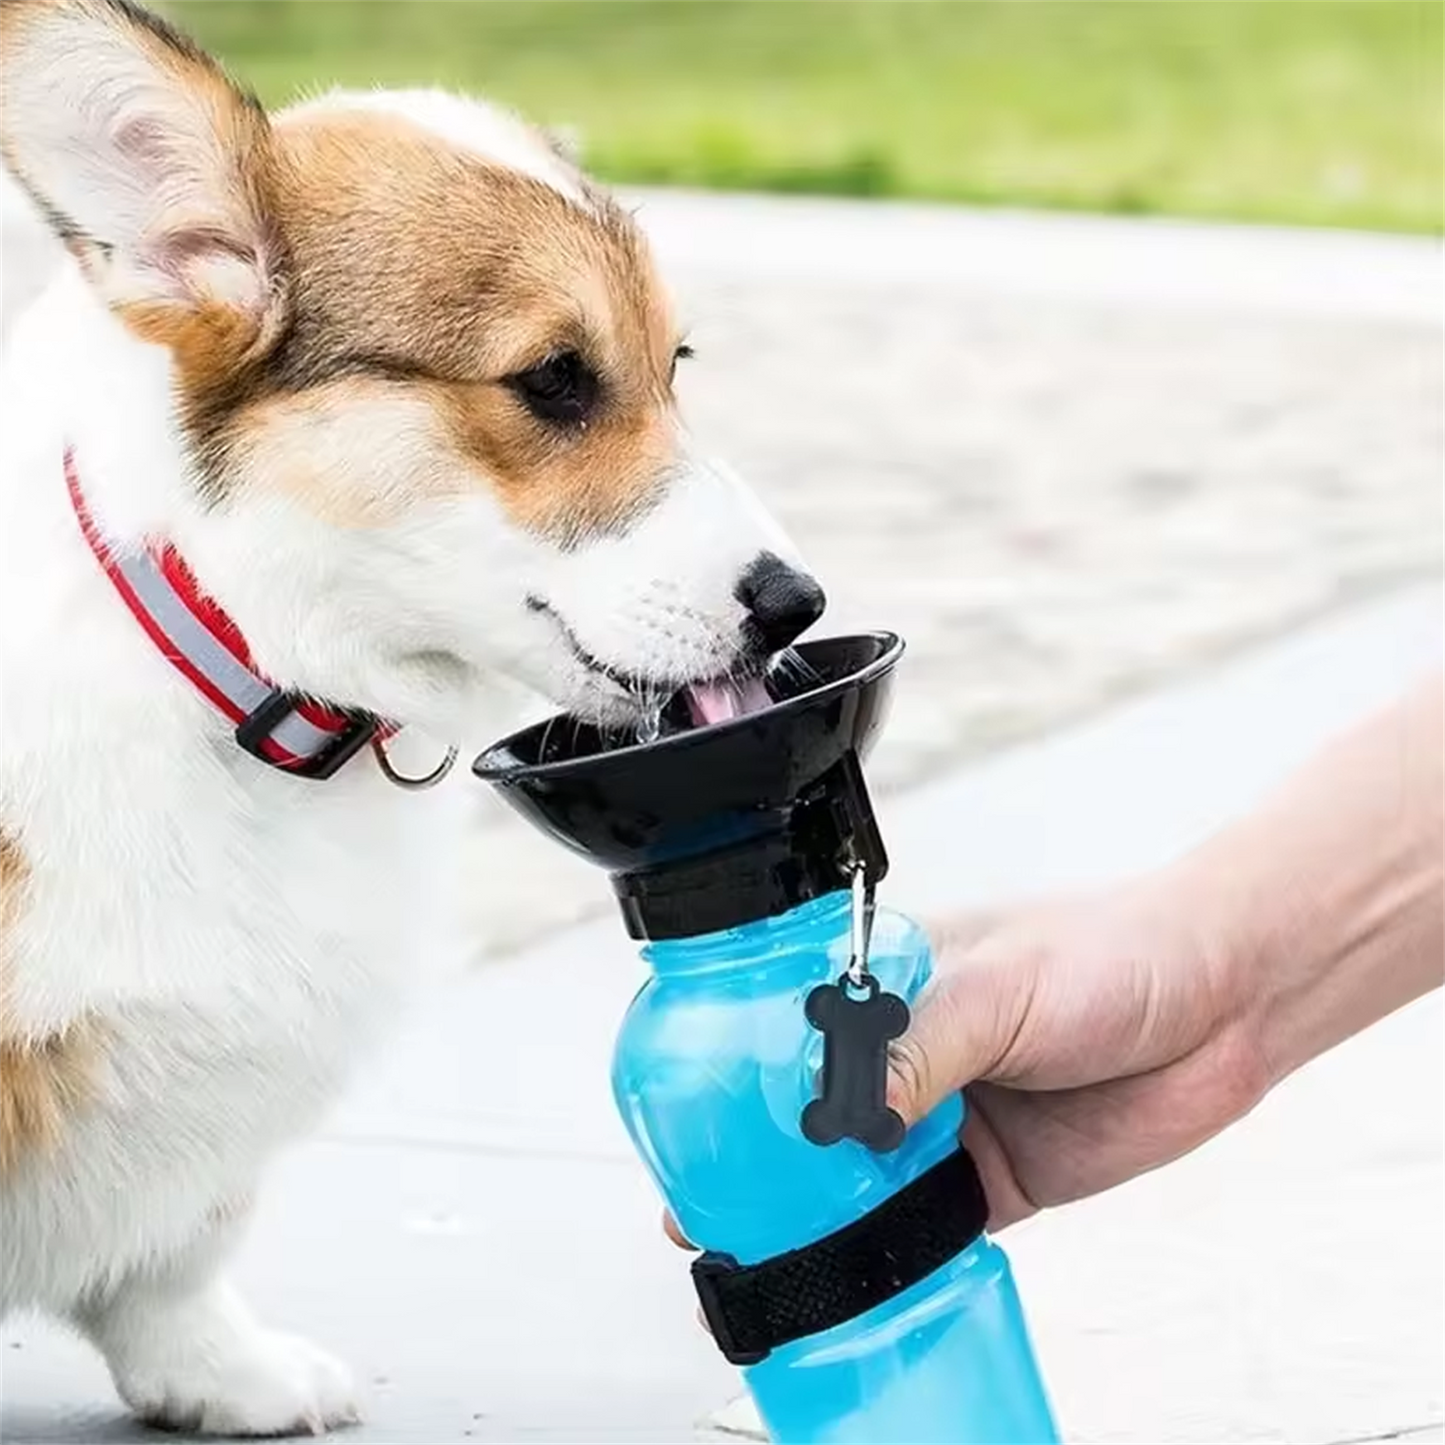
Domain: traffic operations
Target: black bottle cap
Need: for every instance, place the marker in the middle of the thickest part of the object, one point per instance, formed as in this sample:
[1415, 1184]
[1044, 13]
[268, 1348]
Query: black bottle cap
[712, 827]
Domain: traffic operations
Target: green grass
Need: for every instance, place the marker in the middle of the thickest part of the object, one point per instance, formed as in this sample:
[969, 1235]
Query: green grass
[1324, 112]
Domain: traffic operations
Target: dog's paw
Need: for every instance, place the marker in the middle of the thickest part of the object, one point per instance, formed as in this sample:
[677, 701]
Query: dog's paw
[273, 1385]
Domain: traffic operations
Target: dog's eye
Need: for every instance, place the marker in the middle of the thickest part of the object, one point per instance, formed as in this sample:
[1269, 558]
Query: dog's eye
[683, 353]
[562, 389]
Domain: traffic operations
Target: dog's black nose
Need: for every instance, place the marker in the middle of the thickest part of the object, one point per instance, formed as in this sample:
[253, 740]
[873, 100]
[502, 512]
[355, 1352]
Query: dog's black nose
[782, 602]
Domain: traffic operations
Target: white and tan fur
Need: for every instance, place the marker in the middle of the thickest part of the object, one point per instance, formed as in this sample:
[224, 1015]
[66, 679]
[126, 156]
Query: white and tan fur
[281, 345]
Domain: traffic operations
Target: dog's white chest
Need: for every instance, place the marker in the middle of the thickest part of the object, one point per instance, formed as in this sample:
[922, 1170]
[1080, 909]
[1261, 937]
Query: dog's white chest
[221, 994]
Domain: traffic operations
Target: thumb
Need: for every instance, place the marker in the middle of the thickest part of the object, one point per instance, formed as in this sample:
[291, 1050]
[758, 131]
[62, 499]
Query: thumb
[964, 1022]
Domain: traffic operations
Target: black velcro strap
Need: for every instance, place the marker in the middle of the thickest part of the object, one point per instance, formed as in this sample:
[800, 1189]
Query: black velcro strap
[752, 1309]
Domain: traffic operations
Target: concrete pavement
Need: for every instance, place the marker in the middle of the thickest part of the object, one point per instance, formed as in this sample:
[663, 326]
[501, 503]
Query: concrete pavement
[1126, 261]
[473, 1234]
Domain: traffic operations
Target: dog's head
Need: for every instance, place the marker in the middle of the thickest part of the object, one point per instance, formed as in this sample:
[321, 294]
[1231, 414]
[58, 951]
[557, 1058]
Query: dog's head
[421, 373]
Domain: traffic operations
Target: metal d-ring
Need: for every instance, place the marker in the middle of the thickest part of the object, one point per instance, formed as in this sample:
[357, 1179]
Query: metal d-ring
[412, 785]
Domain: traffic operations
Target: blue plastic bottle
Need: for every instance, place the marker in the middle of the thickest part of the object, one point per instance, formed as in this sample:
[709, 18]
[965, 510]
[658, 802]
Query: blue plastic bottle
[726, 847]
[713, 1068]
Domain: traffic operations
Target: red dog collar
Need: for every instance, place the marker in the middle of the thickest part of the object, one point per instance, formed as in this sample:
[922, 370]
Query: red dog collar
[202, 643]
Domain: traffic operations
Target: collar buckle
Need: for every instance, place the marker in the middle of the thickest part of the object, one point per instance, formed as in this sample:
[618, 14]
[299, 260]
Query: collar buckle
[254, 731]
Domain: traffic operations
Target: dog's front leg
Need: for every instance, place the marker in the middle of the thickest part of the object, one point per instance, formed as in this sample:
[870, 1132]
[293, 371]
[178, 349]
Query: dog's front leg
[187, 1354]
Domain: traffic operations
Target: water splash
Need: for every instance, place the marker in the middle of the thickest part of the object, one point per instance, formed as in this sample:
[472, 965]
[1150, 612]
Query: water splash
[790, 666]
[649, 723]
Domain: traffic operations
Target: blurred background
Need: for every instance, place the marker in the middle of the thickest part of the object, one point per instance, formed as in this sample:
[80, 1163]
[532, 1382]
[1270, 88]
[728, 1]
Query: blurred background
[1081, 341]
[1066, 457]
[1299, 111]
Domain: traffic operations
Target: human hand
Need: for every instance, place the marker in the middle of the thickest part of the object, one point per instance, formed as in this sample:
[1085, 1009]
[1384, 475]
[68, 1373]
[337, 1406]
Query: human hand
[1094, 1040]
[1097, 1040]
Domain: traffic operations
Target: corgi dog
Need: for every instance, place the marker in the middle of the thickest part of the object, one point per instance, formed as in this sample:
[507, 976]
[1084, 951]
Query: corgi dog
[339, 430]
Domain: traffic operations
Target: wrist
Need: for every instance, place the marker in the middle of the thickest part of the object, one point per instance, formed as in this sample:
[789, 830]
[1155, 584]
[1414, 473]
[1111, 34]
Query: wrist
[1321, 912]
[1269, 939]
[1209, 896]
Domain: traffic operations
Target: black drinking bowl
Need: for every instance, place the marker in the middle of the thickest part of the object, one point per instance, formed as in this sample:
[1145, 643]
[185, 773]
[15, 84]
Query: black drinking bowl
[705, 827]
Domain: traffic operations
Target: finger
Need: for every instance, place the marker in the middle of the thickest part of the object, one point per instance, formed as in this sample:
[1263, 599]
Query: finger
[674, 1233]
[1008, 1202]
[963, 1025]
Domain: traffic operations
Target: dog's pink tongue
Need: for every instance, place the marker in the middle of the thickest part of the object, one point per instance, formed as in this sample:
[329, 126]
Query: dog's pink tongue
[715, 702]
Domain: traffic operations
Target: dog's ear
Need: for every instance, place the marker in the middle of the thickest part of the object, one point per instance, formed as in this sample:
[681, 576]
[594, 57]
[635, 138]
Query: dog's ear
[145, 158]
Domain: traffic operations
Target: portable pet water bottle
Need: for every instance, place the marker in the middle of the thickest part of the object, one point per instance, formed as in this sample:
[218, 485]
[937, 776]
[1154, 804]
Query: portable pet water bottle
[845, 1268]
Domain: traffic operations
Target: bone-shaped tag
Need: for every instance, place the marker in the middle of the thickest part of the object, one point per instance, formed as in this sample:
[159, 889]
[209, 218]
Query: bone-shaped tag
[857, 1030]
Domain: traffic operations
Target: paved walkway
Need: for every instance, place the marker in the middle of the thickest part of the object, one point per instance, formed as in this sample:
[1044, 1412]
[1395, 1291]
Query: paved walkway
[474, 1235]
